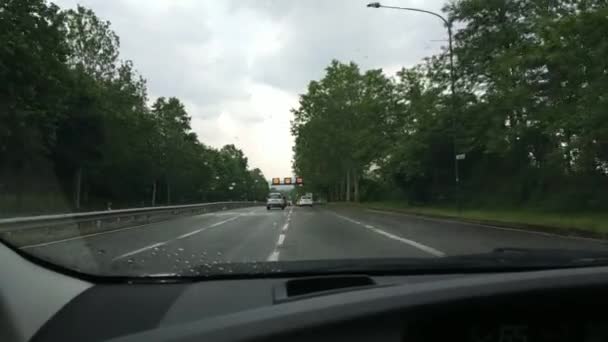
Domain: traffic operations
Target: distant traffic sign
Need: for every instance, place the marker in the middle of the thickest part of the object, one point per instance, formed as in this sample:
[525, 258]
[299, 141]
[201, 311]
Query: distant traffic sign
[276, 181]
[287, 180]
[299, 180]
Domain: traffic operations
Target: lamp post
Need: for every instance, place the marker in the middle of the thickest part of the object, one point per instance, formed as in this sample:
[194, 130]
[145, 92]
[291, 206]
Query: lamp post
[448, 24]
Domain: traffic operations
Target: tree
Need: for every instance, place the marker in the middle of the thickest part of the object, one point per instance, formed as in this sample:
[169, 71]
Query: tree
[74, 121]
[531, 75]
[94, 46]
[32, 73]
[335, 116]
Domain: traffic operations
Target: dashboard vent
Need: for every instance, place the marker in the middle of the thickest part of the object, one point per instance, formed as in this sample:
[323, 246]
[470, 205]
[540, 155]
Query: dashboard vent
[320, 285]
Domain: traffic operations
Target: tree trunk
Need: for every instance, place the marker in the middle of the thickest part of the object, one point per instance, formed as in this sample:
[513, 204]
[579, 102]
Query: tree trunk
[85, 193]
[334, 196]
[154, 193]
[356, 186]
[347, 185]
[168, 193]
[77, 187]
[19, 187]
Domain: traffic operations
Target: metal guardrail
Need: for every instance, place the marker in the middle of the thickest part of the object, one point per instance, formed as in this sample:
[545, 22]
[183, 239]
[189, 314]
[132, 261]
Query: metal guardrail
[99, 218]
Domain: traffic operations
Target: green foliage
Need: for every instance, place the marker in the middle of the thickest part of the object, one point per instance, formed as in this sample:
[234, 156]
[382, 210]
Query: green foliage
[76, 130]
[529, 112]
[524, 218]
[338, 127]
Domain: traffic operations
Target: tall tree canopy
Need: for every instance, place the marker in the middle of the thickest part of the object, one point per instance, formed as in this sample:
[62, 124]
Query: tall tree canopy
[530, 114]
[76, 131]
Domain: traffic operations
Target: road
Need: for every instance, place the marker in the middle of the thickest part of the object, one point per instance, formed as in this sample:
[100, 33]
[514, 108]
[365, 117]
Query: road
[255, 235]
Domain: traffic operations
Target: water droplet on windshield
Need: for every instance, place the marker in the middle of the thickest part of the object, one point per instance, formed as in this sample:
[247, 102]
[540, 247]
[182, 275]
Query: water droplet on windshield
[180, 249]
[219, 253]
[156, 248]
[220, 268]
[129, 261]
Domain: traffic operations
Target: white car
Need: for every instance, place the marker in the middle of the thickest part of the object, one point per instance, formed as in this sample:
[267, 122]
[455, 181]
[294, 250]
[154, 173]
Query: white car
[276, 200]
[305, 201]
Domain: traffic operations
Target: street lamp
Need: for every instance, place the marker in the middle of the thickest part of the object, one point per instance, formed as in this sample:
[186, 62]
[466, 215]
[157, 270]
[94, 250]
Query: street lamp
[448, 24]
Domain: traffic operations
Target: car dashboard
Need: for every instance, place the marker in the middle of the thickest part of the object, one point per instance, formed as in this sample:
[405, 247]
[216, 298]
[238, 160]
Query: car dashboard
[552, 305]
[533, 317]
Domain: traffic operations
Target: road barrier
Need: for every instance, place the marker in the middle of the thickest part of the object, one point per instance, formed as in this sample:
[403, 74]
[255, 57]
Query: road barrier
[24, 231]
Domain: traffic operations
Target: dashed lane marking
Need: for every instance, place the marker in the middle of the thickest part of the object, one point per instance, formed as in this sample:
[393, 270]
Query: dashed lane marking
[158, 244]
[281, 240]
[274, 256]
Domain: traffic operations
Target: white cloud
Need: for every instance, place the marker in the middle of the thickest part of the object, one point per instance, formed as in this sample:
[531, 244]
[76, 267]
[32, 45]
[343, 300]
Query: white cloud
[238, 66]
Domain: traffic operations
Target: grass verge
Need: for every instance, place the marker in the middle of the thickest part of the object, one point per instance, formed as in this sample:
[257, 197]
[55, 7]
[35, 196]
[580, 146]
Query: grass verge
[591, 224]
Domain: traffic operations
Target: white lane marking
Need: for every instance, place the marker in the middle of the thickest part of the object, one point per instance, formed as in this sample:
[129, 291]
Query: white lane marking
[281, 240]
[189, 234]
[274, 256]
[412, 243]
[205, 228]
[139, 250]
[289, 215]
[455, 221]
[350, 220]
[82, 236]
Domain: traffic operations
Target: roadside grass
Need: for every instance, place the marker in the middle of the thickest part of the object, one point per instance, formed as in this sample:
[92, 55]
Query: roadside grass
[592, 224]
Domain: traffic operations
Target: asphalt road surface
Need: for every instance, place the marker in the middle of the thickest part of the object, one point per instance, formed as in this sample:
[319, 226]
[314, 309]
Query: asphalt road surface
[255, 235]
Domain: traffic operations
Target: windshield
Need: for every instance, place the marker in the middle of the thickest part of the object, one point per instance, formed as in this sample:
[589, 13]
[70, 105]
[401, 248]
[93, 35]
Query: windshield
[156, 138]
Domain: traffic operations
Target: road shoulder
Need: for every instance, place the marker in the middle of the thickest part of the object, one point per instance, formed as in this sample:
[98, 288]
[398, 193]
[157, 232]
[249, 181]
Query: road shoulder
[519, 226]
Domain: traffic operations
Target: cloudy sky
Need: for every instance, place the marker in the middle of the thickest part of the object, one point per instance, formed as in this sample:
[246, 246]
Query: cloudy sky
[239, 65]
